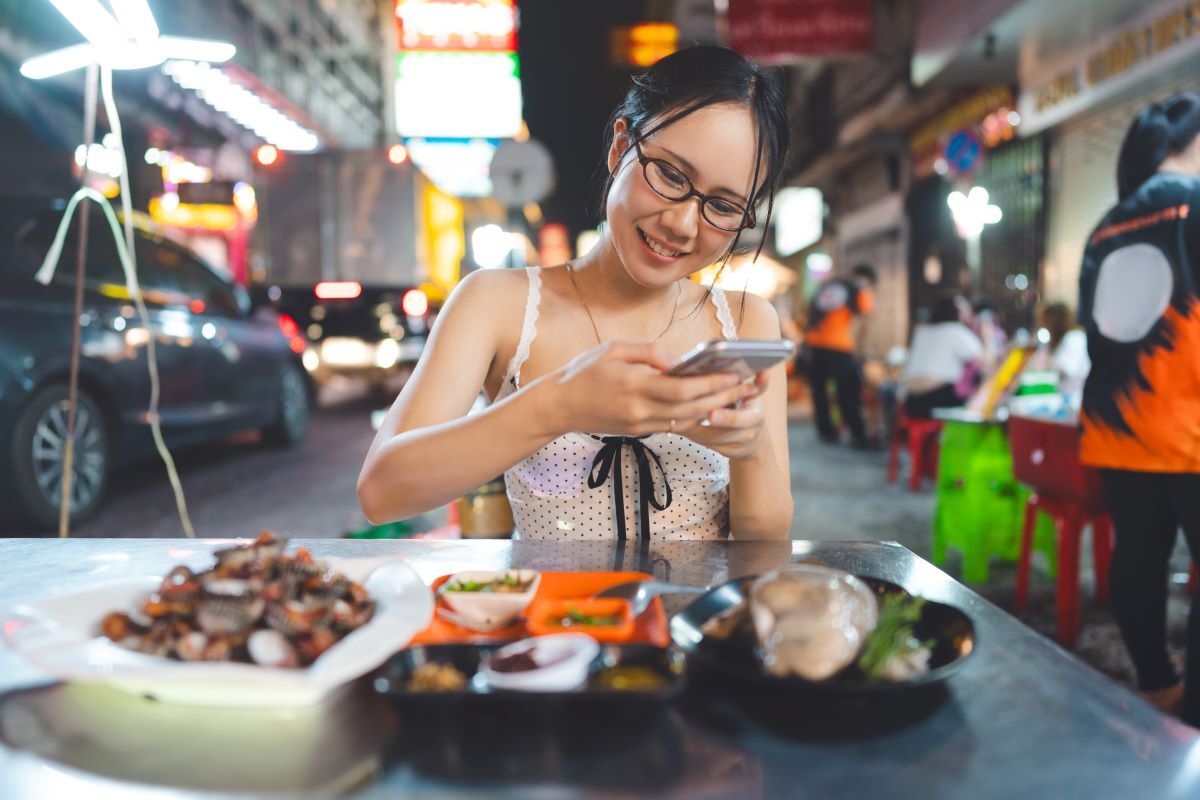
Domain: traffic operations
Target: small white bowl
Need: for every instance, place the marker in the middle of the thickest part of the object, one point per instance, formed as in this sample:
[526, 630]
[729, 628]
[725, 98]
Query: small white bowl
[490, 609]
[566, 658]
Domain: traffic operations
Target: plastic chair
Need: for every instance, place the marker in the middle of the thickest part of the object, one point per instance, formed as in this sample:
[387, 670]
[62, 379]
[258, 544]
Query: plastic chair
[980, 505]
[1069, 519]
[1046, 457]
[923, 436]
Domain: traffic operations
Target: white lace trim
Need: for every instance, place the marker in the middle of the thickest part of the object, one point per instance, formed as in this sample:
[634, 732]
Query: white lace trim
[724, 315]
[512, 377]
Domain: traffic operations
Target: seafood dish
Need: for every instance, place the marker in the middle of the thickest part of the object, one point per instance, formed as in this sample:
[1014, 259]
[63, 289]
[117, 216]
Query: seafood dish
[811, 621]
[819, 624]
[256, 605]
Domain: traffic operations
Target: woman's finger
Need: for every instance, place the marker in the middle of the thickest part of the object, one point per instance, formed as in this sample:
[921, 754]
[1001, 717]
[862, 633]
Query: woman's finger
[675, 389]
[749, 416]
[699, 409]
[649, 354]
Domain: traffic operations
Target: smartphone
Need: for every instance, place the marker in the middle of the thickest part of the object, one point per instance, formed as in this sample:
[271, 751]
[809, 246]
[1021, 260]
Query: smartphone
[742, 357]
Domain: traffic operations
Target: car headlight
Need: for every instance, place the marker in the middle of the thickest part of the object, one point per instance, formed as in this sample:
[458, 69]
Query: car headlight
[346, 352]
[311, 360]
[387, 353]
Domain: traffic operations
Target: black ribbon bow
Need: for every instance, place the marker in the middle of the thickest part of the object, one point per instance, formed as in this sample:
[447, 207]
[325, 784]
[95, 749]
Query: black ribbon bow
[608, 462]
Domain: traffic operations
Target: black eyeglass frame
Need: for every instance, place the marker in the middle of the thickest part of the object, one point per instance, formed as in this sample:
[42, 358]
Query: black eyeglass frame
[748, 219]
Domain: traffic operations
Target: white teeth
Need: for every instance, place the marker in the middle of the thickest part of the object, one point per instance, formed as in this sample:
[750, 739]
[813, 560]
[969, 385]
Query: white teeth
[656, 247]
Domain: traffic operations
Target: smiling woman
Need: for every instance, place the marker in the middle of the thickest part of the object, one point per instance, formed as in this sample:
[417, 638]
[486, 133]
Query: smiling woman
[594, 439]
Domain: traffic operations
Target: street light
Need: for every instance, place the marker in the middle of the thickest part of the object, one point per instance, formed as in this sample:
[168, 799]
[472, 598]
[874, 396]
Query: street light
[131, 40]
[491, 245]
[971, 212]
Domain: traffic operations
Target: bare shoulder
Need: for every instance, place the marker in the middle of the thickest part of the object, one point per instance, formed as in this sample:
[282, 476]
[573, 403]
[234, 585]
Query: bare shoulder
[756, 317]
[492, 295]
[498, 286]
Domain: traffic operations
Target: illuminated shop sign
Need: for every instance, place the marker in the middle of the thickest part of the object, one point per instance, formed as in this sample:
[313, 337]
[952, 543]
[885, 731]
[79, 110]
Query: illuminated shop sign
[459, 95]
[458, 167]
[475, 25]
[1164, 34]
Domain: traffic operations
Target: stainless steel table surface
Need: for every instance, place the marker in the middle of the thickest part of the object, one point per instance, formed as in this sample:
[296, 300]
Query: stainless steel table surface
[1022, 719]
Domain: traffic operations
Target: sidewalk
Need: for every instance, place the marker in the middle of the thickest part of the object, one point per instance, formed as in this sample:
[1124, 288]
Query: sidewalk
[843, 494]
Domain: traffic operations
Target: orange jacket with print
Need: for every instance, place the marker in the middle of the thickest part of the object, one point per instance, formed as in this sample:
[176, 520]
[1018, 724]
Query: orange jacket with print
[831, 319]
[1138, 303]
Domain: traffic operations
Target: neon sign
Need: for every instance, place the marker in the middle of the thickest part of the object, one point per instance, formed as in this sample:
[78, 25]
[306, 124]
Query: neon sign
[474, 25]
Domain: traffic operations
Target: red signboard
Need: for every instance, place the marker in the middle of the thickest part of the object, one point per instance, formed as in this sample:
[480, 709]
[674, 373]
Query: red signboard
[457, 25]
[778, 31]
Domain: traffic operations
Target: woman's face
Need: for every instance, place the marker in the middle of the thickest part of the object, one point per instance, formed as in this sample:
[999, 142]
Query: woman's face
[658, 240]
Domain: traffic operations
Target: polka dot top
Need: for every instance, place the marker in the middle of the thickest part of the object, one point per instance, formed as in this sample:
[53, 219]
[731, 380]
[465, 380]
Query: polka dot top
[556, 493]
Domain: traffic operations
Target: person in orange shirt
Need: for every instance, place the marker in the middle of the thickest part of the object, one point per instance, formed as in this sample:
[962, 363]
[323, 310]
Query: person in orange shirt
[1139, 303]
[836, 307]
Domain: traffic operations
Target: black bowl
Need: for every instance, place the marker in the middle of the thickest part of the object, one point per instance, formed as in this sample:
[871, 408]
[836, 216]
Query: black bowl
[950, 630]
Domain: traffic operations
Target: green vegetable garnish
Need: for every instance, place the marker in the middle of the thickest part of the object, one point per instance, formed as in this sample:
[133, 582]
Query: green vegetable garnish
[508, 583]
[893, 634]
[574, 617]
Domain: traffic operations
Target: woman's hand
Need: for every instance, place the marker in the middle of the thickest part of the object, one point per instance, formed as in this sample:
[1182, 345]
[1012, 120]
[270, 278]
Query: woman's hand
[621, 389]
[735, 432]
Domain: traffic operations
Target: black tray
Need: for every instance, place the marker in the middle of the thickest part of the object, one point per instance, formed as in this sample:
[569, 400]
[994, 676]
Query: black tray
[947, 627]
[591, 737]
[478, 698]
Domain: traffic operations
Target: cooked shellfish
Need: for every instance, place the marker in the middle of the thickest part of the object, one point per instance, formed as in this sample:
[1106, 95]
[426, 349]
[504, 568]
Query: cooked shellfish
[257, 604]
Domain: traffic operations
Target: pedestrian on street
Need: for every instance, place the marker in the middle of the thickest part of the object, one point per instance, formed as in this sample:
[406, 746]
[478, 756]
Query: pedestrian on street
[1139, 306]
[594, 441]
[835, 351]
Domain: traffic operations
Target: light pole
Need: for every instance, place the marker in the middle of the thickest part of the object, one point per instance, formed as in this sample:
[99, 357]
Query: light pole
[130, 40]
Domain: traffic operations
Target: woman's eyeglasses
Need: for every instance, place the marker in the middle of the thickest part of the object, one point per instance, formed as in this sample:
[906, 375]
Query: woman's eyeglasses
[670, 183]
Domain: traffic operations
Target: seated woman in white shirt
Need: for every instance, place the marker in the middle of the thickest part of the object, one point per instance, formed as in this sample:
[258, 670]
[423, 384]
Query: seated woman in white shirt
[941, 349]
[1067, 346]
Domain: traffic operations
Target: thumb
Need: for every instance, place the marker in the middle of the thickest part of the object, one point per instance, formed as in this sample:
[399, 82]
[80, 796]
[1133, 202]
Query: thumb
[649, 354]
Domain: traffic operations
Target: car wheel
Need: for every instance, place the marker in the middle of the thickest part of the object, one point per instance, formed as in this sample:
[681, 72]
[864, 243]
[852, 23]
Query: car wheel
[39, 452]
[292, 409]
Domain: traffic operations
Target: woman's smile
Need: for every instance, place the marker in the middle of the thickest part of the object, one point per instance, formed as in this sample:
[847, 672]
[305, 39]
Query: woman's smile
[658, 249]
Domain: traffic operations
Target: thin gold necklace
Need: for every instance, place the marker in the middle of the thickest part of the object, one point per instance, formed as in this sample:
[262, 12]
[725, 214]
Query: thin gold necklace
[591, 319]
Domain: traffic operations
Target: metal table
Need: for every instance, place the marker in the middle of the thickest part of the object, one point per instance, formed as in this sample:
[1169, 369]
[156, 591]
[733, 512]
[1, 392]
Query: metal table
[1021, 719]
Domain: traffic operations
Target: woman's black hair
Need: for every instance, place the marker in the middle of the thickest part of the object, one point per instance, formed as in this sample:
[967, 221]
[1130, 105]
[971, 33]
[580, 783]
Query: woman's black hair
[944, 310]
[1058, 319]
[1160, 130]
[694, 78]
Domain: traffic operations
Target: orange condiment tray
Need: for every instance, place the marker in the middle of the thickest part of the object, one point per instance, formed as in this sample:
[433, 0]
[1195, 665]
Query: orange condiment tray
[649, 628]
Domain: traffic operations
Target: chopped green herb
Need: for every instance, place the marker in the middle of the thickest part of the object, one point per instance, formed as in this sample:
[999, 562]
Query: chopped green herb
[574, 617]
[893, 634]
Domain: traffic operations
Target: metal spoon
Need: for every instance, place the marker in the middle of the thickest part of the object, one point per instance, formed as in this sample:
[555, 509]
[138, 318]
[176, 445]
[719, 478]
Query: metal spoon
[641, 593]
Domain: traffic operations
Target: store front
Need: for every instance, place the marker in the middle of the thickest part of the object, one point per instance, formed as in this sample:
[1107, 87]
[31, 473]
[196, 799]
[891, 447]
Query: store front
[1085, 106]
[970, 146]
[870, 228]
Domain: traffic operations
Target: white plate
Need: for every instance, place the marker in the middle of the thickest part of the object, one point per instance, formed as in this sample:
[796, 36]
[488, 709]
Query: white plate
[59, 635]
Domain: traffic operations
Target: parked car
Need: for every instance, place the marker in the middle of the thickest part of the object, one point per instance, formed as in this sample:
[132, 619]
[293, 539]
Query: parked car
[361, 331]
[224, 365]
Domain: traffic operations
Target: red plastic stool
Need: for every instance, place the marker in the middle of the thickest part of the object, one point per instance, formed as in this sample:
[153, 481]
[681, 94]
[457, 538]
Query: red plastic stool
[1069, 518]
[922, 435]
